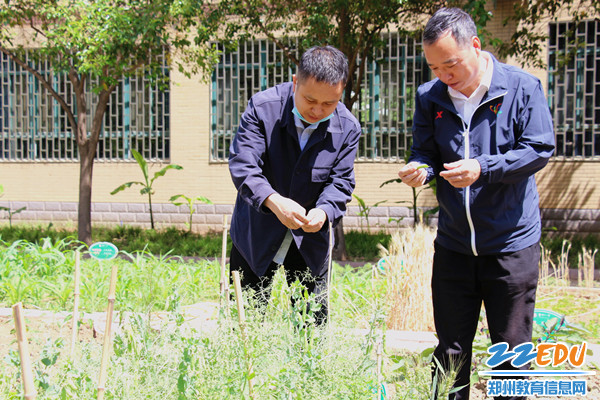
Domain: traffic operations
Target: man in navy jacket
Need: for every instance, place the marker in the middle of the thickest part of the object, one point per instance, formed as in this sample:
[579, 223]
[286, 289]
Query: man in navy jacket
[484, 129]
[292, 162]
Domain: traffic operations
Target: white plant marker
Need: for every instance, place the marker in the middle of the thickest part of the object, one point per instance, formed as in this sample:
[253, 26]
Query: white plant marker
[242, 320]
[106, 251]
[75, 304]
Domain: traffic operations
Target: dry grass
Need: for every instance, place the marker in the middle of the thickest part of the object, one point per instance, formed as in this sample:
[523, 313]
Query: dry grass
[585, 267]
[409, 258]
[551, 273]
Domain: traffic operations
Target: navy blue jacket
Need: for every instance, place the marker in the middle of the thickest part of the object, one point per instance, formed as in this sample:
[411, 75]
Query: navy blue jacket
[265, 158]
[512, 136]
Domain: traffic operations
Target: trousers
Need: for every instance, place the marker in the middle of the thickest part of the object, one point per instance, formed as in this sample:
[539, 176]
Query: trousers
[505, 284]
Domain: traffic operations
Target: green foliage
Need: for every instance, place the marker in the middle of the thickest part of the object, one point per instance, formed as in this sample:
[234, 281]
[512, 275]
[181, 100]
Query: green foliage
[527, 43]
[127, 238]
[364, 210]
[354, 27]
[148, 182]
[364, 245]
[416, 193]
[9, 211]
[291, 355]
[189, 201]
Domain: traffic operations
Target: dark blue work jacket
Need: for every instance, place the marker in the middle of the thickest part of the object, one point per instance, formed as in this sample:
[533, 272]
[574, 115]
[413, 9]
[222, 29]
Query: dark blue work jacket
[265, 158]
[512, 136]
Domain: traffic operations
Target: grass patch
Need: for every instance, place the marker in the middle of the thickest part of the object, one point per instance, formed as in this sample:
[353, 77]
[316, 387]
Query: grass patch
[363, 246]
[360, 246]
[129, 239]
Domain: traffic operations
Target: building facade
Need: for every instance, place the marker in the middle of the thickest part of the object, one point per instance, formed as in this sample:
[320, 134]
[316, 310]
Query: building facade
[191, 124]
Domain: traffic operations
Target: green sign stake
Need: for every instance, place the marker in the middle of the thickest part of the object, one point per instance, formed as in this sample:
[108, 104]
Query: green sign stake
[103, 251]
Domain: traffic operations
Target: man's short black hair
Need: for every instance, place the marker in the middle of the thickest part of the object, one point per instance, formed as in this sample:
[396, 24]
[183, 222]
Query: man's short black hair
[453, 20]
[324, 64]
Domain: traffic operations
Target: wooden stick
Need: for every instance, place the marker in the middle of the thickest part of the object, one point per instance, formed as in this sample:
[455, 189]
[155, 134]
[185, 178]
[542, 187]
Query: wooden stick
[242, 320]
[378, 368]
[329, 272]
[75, 305]
[106, 349]
[224, 290]
[26, 371]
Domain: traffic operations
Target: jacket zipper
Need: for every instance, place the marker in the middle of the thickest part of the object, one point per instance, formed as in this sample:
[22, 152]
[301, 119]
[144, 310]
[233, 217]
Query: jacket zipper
[466, 135]
[466, 130]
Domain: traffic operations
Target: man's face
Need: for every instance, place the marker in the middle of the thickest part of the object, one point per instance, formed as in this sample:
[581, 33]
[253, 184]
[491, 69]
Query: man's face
[316, 100]
[458, 67]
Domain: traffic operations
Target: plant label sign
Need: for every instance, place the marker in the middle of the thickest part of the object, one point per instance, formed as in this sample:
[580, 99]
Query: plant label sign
[103, 251]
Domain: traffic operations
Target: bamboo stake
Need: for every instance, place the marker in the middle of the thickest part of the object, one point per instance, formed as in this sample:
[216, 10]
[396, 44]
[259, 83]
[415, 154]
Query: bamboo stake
[26, 371]
[75, 305]
[329, 272]
[107, 333]
[378, 367]
[224, 290]
[242, 320]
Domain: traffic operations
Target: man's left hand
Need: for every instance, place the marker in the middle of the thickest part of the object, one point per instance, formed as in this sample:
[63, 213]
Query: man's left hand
[316, 218]
[462, 173]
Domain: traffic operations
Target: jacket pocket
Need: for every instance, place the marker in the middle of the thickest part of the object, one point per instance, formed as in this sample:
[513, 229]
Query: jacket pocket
[320, 174]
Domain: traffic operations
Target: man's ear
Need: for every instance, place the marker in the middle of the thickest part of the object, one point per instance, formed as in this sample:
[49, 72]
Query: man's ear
[295, 82]
[476, 42]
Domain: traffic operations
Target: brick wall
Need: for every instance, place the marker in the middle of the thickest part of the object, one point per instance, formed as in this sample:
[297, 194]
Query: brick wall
[209, 217]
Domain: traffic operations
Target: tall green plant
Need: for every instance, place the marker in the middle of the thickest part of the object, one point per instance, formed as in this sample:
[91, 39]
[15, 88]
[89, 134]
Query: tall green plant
[364, 210]
[190, 203]
[8, 209]
[147, 183]
[415, 194]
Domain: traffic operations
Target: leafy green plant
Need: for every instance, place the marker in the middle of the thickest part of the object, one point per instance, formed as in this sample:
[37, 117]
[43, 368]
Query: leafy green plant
[415, 193]
[364, 210]
[148, 182]
[190, 203]
[9, 211]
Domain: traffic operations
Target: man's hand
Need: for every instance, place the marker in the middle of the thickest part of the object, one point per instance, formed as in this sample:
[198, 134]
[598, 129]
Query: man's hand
[289, 213]
[462, 173]
[316, 219]
[413, 174]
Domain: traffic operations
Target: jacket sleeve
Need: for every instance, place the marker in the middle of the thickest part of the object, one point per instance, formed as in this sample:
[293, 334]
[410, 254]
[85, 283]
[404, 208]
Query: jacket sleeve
[424, 149]
[534, 143]
[246, 160]
[339, 186]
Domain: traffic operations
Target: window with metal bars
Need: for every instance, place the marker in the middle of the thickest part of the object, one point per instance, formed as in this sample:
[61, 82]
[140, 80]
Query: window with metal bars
[33, 127]
[574, 88]
[385, 103]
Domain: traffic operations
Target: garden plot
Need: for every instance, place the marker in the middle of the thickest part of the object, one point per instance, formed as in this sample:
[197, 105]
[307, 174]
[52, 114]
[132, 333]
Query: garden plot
[171, 342]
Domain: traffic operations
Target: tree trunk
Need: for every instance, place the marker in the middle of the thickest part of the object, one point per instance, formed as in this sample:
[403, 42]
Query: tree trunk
[84, 214]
